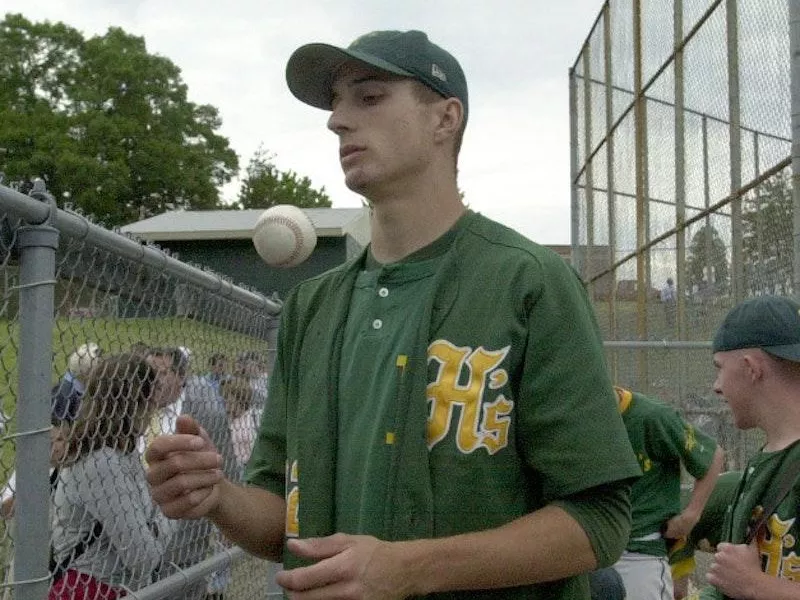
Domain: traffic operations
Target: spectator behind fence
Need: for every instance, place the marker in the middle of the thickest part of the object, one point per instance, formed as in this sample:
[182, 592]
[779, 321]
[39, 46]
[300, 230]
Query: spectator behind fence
[757, 358]
[65, 398]
[440, 416]
[663, 442]
[239, 398]
[108, 535]
[253, 366]
[201, 399]
[237, 394]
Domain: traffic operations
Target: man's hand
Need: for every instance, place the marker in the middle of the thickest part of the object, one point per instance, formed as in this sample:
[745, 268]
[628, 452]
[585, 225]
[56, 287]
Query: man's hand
[350, 566]
[681, 525]
[184, 471]
[736, 570]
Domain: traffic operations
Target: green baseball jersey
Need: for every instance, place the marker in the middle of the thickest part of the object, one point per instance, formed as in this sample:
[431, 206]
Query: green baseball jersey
[779, 541]
[662, 441]
[381, 325]
[476, 415]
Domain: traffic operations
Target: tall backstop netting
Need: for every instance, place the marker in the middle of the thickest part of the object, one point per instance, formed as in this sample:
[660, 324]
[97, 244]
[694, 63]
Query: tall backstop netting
[104, 341]
[681, 125]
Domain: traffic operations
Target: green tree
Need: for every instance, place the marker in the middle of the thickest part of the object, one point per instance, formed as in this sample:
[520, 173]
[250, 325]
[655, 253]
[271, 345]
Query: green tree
[264, 185]
[767, 236]
[707, 264]
[105, 123]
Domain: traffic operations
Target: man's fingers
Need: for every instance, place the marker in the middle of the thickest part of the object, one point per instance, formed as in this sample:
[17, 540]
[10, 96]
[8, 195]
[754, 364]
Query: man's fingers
[318, 548]
[193, 505]
[186, 424]
[163, 445]
[184, 484]
[330, 569]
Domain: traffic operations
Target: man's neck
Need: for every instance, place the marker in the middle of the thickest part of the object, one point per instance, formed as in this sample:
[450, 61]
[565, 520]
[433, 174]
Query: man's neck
[782, 425]
[404, 223]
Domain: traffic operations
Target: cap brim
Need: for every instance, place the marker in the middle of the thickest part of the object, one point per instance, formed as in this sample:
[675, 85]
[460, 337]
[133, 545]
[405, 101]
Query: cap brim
[311, 69]
[787, 352]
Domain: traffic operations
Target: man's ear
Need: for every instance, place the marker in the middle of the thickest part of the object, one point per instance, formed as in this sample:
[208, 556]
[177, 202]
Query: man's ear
[450, 113]
[755, 365]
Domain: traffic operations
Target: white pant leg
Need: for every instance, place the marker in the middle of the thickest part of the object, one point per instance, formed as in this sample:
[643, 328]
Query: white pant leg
[646, 577]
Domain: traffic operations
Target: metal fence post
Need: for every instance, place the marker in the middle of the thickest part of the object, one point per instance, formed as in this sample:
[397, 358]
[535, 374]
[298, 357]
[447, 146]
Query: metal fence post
[734, 106]
[577, 253]
[37, 249]
[794, 51]
[642, 269]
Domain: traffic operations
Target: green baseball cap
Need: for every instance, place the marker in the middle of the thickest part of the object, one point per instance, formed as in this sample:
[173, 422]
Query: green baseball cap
[771, 323]
[311, 68]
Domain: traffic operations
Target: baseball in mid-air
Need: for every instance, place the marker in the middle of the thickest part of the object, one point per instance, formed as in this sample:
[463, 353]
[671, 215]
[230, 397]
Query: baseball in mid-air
[284, 236]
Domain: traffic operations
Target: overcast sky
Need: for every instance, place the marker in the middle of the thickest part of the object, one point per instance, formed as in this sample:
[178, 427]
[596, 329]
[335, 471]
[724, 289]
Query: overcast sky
[516, 54]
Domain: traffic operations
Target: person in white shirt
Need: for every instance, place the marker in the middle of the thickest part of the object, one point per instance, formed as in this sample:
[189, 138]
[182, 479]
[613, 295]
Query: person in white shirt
[669, 298]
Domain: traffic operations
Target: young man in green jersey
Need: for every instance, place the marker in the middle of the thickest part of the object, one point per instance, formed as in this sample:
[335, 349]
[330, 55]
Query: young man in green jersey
[429, 429]
[757, 357]
[663, 442]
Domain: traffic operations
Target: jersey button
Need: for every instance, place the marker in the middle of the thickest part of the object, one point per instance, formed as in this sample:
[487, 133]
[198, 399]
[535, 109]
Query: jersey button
[377, 324]
[383, 292]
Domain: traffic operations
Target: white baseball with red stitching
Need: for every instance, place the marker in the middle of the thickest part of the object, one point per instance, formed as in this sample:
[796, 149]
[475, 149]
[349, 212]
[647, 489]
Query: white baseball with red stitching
[284, 236]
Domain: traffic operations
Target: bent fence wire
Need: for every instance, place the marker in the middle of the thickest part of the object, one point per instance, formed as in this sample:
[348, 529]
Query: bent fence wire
[75, 296]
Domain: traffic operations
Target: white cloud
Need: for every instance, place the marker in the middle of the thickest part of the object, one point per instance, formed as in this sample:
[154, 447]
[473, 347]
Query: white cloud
[516, 53]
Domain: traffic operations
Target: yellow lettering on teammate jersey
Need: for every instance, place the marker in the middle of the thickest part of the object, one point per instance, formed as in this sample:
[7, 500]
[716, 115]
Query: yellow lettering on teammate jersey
[690, 438]
[462, 379]
[771, 543]
[644, 462]
[292, 502]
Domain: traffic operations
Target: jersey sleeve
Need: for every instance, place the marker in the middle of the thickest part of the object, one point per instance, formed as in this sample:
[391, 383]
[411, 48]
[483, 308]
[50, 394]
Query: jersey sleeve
[571, 432]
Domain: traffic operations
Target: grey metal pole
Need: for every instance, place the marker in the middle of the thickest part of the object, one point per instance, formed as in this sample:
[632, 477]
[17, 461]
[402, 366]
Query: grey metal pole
[641, 191]
[680, 171]
[734, 107]
[37, 246]
[611, 278]
[588, 173]
[575, 208]
[680, 196]
[794, 47]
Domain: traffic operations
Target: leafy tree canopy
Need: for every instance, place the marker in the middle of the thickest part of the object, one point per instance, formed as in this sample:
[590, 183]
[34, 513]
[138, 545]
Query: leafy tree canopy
[106, 124]
[707, 263]
[264, 186]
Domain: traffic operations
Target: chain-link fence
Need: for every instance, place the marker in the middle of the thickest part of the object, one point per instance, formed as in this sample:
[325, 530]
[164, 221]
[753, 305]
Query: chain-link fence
[682, 190]
[103, 342]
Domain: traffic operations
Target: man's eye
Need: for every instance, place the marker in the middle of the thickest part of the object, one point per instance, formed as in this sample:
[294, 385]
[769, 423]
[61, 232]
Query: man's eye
[371, 98]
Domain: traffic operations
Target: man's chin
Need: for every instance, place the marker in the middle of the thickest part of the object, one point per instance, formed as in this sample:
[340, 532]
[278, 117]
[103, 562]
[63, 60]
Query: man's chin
[357, 183]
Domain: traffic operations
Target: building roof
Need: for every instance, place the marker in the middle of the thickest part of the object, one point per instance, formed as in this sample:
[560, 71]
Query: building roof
[238, 224]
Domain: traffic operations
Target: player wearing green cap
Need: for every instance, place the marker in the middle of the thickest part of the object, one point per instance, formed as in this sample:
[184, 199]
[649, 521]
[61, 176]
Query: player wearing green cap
[757, 357]
[441, 420]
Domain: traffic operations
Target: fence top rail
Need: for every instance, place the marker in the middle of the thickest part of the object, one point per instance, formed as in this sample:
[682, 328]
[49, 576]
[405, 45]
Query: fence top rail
[658, 344]
[39, 209]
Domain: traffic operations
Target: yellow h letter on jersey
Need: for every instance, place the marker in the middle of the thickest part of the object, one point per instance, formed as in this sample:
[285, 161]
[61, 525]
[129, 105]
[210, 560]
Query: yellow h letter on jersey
[479, 425]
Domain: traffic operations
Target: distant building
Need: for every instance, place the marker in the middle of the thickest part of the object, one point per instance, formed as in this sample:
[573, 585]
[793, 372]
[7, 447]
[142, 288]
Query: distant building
[222, 241]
